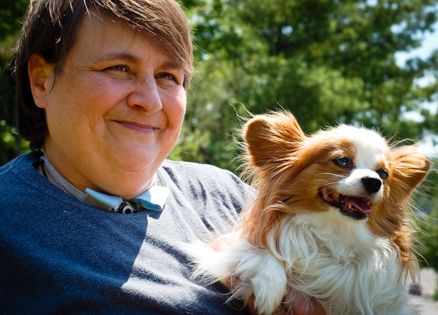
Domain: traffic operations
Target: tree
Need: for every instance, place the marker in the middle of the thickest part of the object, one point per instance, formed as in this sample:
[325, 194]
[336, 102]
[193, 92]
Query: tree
[427, 205]
[11, 12]
[326, 61]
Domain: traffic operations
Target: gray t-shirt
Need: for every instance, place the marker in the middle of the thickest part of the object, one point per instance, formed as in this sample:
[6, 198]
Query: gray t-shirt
[59, 255]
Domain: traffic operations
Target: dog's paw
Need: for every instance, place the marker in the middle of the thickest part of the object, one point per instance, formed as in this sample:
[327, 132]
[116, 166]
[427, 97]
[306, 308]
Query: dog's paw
[269, 285]
[208, 265]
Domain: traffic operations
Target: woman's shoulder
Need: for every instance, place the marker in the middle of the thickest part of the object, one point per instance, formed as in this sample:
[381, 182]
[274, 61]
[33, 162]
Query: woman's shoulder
[197, 176]
[185, 166]
[17, 168]
[198, 172]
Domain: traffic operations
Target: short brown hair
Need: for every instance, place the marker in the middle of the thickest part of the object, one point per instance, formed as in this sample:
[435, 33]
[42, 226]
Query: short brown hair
[50, 28]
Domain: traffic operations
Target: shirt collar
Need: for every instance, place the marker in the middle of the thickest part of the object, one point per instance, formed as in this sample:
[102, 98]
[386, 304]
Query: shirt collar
[153, 199]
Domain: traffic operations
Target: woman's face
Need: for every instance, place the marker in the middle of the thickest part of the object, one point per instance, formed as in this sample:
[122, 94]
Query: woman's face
[114, 109]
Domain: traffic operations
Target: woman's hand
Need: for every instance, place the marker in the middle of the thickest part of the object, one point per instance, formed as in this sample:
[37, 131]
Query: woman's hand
[297, 309]
[315, 309]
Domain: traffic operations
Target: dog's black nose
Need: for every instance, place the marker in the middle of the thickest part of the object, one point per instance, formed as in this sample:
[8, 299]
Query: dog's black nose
[371, 184]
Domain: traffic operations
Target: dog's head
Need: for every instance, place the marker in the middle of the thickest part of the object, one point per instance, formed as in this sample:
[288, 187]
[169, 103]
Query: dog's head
[348, 170]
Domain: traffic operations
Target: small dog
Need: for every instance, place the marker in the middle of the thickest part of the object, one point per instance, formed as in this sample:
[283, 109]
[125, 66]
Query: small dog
[330, 221]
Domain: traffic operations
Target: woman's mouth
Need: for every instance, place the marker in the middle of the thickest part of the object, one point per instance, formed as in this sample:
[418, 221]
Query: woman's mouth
[143, 128]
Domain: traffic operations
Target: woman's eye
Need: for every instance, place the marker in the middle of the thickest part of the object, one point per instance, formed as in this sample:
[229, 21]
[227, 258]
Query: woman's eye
[121, 68]
[167, 76]
[344, 162]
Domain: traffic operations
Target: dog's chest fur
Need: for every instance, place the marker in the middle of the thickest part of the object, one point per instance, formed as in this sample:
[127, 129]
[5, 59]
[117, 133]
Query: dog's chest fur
[341, 264]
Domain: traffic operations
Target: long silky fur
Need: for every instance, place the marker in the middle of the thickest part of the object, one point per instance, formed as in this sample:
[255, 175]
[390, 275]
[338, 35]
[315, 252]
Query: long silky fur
[289, 248]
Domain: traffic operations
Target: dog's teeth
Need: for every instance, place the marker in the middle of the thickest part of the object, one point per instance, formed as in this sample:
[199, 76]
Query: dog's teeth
[328, 195]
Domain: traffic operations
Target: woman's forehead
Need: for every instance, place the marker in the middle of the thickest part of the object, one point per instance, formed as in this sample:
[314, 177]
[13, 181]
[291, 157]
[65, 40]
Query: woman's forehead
[109, 37]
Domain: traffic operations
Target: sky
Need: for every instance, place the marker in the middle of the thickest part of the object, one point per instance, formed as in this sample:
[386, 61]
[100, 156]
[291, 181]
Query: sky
[429, 44]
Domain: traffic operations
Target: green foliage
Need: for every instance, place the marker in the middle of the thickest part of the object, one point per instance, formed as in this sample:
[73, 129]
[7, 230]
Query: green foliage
[10, 145]
[435, 294]
[326, 61]
[11, 12]
[428, 204]
[429, 237]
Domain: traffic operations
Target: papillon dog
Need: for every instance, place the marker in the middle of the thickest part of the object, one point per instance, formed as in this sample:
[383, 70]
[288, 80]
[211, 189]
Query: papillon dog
[330, 221]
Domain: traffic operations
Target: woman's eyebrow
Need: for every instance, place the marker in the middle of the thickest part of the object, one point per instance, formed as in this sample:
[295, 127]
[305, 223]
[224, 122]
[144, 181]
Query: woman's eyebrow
[169, 65]
[119, 56]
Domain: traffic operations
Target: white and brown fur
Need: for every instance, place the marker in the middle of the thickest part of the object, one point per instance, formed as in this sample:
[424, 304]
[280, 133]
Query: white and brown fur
[291, 245]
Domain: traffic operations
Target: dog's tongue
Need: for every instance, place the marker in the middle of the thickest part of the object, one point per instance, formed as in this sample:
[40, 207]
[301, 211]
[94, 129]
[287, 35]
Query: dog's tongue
[357, 204]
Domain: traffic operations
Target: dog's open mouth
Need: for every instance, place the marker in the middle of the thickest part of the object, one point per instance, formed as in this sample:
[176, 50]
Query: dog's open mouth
[354, 207]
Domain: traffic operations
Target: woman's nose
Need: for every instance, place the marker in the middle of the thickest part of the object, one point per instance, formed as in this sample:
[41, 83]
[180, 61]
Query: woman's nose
[146, 96]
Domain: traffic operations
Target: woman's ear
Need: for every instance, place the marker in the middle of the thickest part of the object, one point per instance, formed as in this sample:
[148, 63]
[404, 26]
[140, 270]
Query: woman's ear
[41, 79]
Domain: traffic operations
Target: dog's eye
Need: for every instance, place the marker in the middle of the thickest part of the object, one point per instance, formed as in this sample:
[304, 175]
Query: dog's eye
[344, 162]
[383, 174]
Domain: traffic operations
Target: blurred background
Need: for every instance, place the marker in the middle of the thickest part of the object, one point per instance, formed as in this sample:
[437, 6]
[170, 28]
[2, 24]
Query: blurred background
[371, 63]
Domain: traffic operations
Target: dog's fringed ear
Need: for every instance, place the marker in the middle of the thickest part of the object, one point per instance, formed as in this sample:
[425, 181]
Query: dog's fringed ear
[409, 168]
[272, 137]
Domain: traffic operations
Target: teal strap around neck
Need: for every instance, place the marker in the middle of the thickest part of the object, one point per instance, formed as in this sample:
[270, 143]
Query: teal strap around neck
[152, 199]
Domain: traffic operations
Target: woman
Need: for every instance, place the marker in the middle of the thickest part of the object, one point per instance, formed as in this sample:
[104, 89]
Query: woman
[95, 219]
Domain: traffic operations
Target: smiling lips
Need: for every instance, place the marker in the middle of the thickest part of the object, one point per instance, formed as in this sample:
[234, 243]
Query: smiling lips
[143, 128]
[355, 207]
